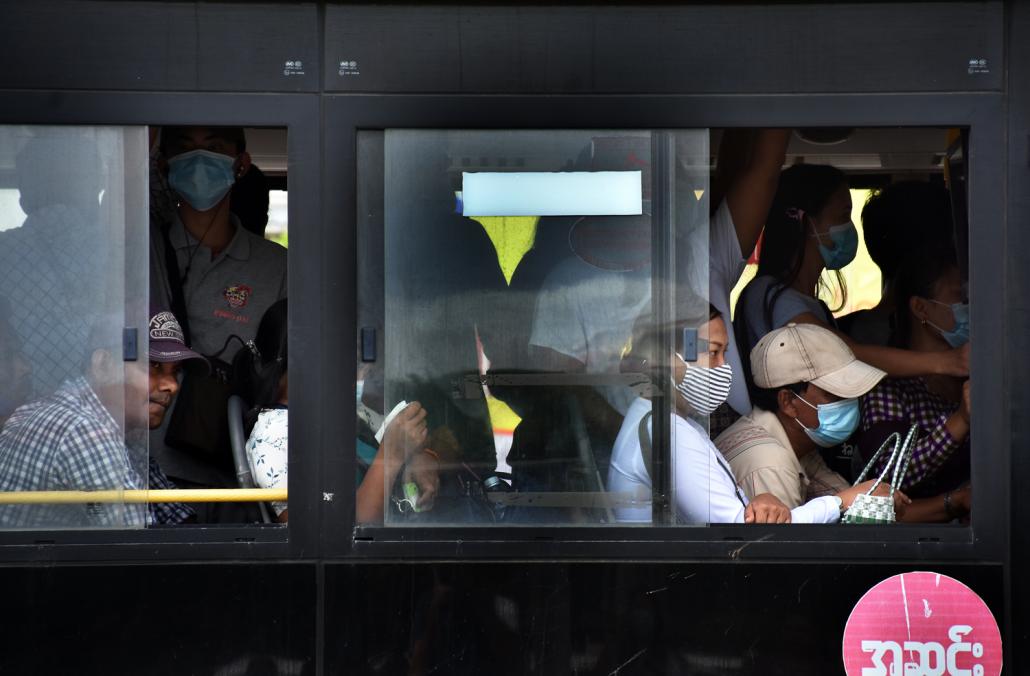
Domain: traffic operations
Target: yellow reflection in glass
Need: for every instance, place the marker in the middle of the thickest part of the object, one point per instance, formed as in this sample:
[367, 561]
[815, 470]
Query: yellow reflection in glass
[502, 418]
[512, 237]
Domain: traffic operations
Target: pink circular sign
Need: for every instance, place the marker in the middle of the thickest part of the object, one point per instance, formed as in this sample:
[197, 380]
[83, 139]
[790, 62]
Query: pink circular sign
[921, 624]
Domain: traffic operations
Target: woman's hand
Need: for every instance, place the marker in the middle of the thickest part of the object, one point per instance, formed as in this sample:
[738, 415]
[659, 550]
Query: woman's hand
[901, 503]
[424, 470]
[848, 496]
[766, 508]
[406, 434]
[954, 362]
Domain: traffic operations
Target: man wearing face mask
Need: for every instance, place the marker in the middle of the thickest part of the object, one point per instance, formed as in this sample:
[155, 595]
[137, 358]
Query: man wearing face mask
[807, 384]
[218, 277]
[706, 488]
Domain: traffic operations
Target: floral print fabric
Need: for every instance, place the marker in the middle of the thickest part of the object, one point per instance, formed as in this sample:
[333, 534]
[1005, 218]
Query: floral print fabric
[267, 451]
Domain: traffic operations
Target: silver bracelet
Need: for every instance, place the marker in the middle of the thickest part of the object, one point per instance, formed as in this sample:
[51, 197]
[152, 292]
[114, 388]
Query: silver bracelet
[949, 509]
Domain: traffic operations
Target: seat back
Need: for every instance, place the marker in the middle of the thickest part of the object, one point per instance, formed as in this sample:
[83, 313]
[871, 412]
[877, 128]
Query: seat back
[238, 442]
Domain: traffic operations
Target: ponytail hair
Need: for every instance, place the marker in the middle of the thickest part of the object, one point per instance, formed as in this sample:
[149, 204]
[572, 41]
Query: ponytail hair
[803, 191]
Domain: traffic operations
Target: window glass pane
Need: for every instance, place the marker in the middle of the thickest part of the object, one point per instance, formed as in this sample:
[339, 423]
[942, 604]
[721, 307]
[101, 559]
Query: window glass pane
[514, 328]
[507, 284]
[74, 400]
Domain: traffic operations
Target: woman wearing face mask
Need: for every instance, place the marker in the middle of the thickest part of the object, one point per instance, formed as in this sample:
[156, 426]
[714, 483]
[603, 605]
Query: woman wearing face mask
[808, 230]
[705, 487]
[933, 318]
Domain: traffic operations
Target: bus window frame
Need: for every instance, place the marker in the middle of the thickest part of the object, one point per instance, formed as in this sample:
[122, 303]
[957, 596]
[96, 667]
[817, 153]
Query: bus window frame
[299, 115]
[982, 114]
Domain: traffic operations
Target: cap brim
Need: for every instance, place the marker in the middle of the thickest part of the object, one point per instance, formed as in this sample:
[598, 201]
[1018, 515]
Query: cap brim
[171, 351]
[852, 380]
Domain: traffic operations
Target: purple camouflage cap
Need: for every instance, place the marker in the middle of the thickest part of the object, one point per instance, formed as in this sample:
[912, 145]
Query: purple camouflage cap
[167, 342]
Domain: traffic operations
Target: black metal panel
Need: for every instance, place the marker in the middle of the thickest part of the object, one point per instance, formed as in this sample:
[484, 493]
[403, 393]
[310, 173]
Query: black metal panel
[160, 620]
[603, 618]
[1014, 301]
[797, 47]
[193, 46]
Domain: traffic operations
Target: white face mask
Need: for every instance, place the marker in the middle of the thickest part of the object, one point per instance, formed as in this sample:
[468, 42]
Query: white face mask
[705, 389]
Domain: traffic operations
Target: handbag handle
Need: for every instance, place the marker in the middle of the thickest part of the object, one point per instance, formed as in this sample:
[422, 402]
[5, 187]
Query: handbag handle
[900, 457]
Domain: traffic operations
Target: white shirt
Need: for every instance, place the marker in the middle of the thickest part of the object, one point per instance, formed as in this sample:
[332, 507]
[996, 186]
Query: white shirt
[588, 313]
[704, 488]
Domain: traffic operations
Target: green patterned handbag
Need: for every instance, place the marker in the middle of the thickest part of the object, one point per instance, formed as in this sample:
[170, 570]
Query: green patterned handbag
[869, 508]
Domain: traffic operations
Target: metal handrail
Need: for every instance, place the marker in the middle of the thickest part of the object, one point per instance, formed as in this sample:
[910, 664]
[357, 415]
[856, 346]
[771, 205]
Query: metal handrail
[140, 496]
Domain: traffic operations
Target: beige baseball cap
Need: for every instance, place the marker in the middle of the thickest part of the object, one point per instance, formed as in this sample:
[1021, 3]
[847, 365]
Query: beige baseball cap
[806, 353]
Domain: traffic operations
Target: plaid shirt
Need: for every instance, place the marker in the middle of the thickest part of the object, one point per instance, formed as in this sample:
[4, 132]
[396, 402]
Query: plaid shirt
[939, 461]
[69, 441]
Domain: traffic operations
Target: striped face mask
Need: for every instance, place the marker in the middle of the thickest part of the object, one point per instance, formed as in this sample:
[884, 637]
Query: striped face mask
[705, 388]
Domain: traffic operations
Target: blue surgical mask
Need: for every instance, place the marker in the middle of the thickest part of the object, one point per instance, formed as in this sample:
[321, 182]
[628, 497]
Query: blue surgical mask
[845, 245]
[837, 422]
[959, 335]
[201, 177]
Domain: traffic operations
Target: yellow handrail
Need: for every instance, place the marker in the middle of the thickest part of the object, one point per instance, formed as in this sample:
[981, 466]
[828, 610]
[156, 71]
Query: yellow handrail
[137, 496]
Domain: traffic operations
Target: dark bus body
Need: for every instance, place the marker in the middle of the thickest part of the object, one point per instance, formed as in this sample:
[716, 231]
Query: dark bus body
[325, 596]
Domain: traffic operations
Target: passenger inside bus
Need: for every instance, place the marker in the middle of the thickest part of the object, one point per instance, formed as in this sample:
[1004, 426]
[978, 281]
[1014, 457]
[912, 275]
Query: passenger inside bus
[705, 487]
[588, 305]
[261, 371]
[800, 402]
[53, 265]
[70, 440]
[220, 278]
[797, 411]
[898, 223]
[808, 230]
[932, 316]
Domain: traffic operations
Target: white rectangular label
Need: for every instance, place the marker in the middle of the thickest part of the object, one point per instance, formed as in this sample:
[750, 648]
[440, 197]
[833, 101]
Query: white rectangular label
[567, 193]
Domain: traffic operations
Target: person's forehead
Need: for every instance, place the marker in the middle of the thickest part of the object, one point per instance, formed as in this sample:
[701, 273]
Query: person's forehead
[821, 393]
[714, 331]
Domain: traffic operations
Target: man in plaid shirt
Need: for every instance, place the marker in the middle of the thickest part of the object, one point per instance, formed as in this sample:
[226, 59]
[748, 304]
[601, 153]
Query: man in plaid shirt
[72, 439]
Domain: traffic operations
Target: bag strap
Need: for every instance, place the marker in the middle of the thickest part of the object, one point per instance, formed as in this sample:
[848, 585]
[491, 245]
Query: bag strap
[178, 299]
[904, 457]
[899, 459]
[645, 442]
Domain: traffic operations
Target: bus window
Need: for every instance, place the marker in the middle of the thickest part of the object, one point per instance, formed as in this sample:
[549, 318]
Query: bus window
[518, 331]
[106, 390]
